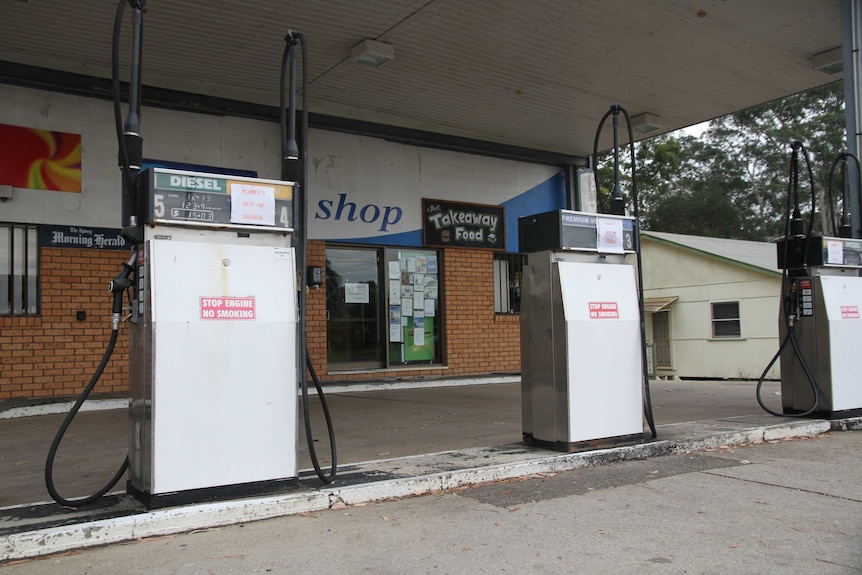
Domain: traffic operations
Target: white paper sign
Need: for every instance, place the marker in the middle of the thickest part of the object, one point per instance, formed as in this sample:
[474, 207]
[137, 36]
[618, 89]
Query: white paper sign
[252, 204]
[395, 332]
[609, 235]
[406, 307]
[419, 336]
[394, 290]
[356, 293]
[834, 252]
[394, 270]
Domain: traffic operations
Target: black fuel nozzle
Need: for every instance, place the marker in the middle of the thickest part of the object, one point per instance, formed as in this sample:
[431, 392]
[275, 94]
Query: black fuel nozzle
[797, 224]
[845, 230]
[118, 286]
[618, 202]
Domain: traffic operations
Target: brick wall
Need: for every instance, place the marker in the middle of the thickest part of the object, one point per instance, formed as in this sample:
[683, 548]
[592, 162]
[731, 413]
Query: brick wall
[54, 355]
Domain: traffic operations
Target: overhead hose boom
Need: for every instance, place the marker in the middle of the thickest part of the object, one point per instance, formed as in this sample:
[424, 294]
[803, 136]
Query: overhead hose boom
[617, 207]
[290, 154]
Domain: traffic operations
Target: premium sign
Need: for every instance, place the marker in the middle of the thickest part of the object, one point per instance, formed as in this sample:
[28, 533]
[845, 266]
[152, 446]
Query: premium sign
[465, 225]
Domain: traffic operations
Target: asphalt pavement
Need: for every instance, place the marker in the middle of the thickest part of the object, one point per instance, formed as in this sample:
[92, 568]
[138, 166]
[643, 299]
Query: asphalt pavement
[436, 480]
[783, 506]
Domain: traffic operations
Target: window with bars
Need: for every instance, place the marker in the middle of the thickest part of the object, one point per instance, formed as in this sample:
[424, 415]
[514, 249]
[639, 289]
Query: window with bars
[725, 320]
[508, 270]
[19, 269]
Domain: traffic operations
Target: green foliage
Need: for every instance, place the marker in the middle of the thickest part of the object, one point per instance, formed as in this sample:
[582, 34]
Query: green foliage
[733, 180]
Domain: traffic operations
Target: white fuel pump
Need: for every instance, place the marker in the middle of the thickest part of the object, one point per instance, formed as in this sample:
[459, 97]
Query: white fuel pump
[584, 379]
[218, 337]
[213, 363]
[580, 335]
[820, 315]
[824, 298]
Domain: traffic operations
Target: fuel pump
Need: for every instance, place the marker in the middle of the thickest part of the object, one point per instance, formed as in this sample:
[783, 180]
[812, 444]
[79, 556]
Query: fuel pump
[819, 317]
[216, 332]
[583, 359]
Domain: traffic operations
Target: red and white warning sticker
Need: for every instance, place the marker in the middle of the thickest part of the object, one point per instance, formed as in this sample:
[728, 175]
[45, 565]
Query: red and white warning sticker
[604, 310]
[228, 308]
[849, 312]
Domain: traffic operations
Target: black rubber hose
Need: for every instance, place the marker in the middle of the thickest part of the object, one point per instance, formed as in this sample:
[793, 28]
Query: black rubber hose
[312, 452]
[599, 199]
[291, 38]
[58, 437]
[647, 407]
[786, 311]
[636, 211]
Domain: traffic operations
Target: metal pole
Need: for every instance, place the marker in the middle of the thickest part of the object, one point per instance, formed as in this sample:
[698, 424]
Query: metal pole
[851, 12]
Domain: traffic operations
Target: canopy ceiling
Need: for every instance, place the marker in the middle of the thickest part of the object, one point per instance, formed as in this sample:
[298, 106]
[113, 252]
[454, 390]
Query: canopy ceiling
[537, 74]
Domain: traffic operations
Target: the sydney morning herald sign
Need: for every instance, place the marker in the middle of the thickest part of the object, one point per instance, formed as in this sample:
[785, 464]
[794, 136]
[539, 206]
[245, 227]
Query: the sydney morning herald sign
[460, 224]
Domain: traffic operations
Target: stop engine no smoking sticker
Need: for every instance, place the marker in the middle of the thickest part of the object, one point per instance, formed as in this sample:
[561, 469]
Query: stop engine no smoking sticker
[227, 308]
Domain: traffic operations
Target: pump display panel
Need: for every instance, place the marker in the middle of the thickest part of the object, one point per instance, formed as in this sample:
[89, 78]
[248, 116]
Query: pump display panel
[579, 231]
[197, 198]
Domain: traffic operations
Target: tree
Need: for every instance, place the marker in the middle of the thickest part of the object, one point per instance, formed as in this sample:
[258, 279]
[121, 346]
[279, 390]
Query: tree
[732, 182]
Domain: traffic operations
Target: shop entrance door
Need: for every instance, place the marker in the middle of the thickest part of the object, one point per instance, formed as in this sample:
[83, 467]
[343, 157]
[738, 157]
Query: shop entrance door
[354, 305]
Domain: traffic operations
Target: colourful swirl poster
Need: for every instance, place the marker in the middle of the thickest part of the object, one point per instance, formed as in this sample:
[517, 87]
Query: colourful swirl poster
[40, 159]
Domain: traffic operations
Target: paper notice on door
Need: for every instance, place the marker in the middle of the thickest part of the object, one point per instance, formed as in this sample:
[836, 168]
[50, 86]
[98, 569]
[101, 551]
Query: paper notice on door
[356, 293]
[395, 332]
[430, 308]
[418, 336]
[407, 307]
[394, 270]
[394, 290]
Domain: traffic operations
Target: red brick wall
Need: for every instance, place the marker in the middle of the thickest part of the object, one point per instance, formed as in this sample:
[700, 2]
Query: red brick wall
[54, 354]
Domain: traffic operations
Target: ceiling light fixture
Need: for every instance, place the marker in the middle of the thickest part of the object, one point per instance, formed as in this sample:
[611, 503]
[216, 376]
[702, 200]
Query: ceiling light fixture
[829, 62]
[646, 123]
[372, 53]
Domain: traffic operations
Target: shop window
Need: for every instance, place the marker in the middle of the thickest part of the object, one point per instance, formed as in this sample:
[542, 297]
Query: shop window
[508, 270]
[383, 307]
[414, 306]
[725, 320]
[19, 269]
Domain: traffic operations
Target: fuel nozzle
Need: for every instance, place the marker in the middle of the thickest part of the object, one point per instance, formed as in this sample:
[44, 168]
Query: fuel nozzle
[797, 224]
[845, 230]
[118, 286]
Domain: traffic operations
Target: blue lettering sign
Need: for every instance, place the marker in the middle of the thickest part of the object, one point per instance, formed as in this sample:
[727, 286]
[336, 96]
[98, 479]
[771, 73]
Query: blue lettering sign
[385, 216]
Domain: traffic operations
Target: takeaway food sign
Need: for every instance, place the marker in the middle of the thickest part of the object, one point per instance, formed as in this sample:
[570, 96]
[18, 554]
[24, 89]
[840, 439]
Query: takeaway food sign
[458, 224]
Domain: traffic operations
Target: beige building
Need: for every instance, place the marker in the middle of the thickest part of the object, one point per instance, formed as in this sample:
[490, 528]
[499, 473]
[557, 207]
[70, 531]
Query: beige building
[712, 306]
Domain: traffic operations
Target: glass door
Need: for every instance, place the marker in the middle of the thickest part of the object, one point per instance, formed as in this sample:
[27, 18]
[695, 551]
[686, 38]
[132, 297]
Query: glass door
[353, 309]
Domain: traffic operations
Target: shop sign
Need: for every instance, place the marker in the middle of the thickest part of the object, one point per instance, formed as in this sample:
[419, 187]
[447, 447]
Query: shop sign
[463, 225]
[82, 237]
